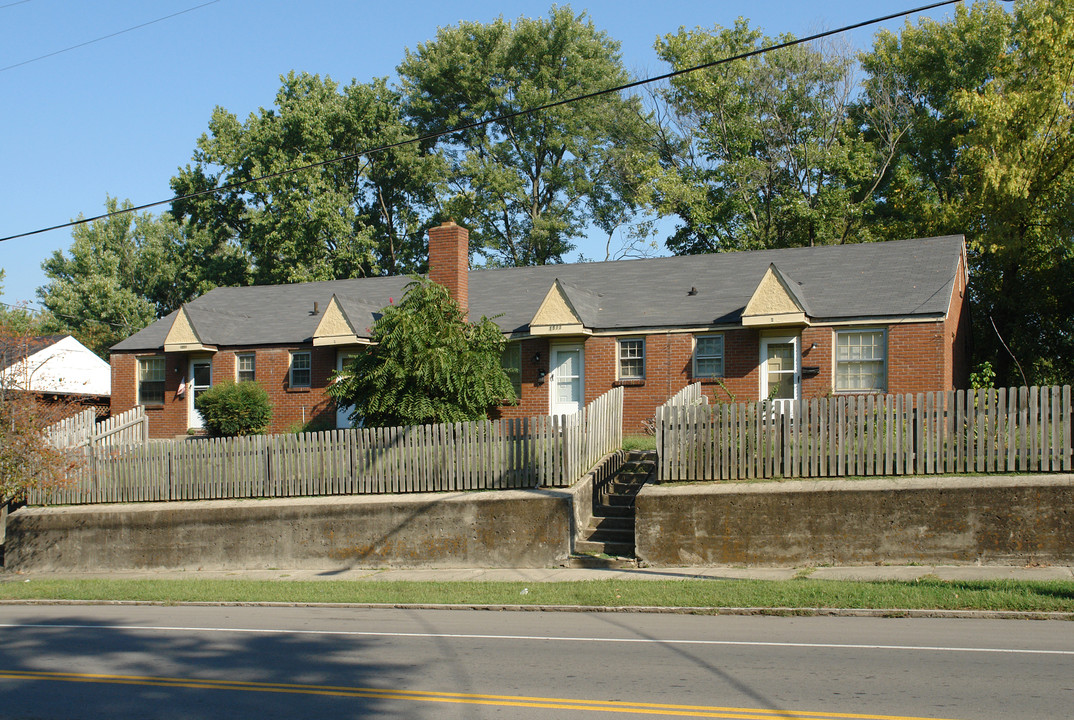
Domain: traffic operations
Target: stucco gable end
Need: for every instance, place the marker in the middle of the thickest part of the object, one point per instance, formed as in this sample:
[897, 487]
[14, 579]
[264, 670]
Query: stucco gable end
[183, 335]
[776, 300]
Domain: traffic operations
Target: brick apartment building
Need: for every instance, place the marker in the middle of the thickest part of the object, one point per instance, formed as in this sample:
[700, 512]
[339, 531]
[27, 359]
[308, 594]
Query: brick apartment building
[792, 323]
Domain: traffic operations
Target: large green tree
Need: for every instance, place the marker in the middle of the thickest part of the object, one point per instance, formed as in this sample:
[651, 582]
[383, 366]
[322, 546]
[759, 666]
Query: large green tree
[530, 185]
[428, 364]
[354, 218]
[764, 151]
[991, 154]
[922, 70]
[123, 272]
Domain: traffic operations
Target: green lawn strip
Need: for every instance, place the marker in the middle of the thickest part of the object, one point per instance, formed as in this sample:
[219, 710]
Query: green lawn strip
[924, 594]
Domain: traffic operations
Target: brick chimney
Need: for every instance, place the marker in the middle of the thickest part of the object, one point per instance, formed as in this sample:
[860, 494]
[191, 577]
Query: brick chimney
[449, 260]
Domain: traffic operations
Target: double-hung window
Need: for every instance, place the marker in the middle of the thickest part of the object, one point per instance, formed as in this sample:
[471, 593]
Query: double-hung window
[511, 362]
[708, 356]
[632, 359]
[244, 367]
[151, 381]
[301, 373]
[860, 360]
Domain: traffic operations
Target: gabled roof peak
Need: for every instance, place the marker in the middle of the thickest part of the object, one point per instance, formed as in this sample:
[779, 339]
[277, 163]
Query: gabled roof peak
[776, 301]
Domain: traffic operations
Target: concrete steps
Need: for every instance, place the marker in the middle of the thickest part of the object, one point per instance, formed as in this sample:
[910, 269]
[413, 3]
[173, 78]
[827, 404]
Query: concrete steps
[609, 539]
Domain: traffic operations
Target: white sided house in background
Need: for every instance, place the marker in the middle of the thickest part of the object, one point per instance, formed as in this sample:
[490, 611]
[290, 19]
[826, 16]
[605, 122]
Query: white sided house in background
[58, 365]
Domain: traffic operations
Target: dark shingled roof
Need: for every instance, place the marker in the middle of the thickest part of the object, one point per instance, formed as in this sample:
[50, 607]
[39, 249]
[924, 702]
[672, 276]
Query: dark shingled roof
[873, 280]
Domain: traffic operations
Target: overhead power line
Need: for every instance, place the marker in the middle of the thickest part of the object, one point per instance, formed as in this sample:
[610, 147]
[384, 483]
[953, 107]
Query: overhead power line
[482, 123]
[103, 37]
[42, 311]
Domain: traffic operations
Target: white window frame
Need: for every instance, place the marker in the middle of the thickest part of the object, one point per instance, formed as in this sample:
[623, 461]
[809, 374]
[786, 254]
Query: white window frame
[722, 355]
[620, 358]
[291, 382]
[142, 365]
[840, 362]
[239, 357]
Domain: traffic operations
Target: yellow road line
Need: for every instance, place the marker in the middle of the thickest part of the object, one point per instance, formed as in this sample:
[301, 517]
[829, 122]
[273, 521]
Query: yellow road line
[617, 706]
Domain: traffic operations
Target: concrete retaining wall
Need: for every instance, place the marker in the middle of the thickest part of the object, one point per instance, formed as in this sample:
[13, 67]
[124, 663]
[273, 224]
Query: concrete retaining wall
[515, 528]
[998, 520]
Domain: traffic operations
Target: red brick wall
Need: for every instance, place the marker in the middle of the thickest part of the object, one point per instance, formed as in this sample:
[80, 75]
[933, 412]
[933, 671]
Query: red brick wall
[822, 356]
[535, 395]
[290, 406]
[921, 357]
[668, 366]
[167, 420]
[957, 332]
[916, 358]
[295, 406]
[919, 360]
[449, 260]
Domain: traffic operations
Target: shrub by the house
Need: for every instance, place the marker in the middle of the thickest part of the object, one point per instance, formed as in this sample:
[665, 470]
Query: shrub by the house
[235, 409]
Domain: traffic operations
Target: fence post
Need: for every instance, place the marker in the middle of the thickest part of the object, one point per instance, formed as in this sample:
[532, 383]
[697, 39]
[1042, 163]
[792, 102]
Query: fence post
[658, 421]
[1067, 423]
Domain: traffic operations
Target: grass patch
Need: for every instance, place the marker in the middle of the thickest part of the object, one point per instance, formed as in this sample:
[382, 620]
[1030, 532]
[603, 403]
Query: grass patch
[639, 442]
[925, 594]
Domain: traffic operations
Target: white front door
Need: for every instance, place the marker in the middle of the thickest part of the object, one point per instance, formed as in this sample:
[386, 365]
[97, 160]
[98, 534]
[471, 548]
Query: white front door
[567, 368]
[201, 379]
[343, 414]
[781, 371]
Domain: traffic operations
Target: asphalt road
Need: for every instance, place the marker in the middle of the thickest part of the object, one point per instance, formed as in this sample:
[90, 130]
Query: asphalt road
[89, 662]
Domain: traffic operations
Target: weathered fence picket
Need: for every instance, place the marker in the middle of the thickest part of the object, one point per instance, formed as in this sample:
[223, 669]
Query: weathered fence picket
[985, 431]
[520, 453]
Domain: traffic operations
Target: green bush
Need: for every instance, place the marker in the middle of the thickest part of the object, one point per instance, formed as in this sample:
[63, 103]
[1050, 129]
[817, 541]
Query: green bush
[235, 409]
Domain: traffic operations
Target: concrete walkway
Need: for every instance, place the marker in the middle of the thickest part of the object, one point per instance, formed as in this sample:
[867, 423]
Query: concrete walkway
[871, 572]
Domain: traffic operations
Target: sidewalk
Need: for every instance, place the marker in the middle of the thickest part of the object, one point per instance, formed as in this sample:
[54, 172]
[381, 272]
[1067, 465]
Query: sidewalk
[532, 575]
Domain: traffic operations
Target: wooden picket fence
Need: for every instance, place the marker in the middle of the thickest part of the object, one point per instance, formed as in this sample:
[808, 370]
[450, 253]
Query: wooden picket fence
[496, 454]
[689, 396]
[128, 428]
[977, 431]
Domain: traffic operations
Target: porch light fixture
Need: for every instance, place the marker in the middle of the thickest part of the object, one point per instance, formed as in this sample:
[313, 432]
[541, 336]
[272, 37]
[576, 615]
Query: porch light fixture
[536, 358]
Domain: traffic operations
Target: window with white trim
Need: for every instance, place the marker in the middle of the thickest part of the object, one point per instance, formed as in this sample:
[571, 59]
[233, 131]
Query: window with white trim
[245, 368]
[860, 360]
[151, 381]
[301, 373]
[632, 359]
[708, 356]
[511, 362]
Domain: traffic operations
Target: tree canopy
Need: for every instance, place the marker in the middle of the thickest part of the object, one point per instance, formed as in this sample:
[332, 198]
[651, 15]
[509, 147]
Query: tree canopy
[529, 184]
[990, 154]
[354, 218]
[428, 364]
[123, 272]
[763, 151]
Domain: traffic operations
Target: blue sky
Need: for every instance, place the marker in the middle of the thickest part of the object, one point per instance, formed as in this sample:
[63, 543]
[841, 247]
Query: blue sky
[119, 116]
